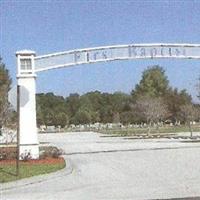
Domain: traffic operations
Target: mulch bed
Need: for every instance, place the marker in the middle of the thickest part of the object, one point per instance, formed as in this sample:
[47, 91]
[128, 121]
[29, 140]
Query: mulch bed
[8, 156]
[48, 160]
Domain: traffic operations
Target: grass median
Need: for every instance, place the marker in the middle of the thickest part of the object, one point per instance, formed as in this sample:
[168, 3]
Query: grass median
[167, 130]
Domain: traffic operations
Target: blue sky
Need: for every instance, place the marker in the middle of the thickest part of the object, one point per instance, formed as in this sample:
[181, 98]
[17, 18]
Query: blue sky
[53, 26]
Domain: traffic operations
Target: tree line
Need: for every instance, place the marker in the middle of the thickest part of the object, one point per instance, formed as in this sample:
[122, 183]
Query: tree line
[152, 100]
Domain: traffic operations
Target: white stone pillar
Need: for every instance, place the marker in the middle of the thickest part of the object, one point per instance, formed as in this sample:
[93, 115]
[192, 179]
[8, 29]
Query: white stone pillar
[26, 79]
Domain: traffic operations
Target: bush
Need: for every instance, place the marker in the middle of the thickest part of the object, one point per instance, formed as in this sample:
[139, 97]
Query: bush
[10, 153]
[50, 151]
[25, 156]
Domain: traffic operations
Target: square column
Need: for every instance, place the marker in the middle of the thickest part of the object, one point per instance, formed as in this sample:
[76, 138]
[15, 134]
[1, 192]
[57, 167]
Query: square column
[26, 78]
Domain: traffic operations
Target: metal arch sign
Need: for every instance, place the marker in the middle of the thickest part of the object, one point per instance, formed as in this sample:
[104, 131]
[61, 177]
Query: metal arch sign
[119, 52]
[28, 64]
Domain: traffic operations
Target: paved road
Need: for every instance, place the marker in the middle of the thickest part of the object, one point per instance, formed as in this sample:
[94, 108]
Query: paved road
[115, 168]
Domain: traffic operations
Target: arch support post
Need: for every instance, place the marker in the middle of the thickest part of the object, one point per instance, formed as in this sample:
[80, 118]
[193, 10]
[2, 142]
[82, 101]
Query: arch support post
[26, 79]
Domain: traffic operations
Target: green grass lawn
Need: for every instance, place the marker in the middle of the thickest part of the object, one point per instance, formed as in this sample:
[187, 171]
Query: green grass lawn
[141, 131]
[28, 169]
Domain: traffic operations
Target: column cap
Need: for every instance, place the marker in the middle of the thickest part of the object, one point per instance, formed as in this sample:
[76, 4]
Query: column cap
[26, 76]
[25, 52]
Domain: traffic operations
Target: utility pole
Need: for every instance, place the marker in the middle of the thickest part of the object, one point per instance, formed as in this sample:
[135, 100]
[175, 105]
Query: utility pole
[18, 129]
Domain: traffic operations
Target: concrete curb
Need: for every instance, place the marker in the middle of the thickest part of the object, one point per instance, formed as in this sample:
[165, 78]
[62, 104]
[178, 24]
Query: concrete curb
[38, 179]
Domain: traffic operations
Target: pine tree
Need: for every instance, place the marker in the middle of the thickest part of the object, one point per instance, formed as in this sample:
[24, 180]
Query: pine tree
[5, 83]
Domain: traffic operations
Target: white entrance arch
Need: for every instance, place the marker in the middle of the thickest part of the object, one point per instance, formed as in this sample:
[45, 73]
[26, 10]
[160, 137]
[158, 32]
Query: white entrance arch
[28, 64]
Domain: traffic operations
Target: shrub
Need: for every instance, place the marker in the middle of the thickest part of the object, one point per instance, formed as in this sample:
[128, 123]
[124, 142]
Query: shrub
[50, 151]
[8, 153]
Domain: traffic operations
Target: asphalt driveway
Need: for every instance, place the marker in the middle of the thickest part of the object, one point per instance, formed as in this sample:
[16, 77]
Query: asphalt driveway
[114, 168]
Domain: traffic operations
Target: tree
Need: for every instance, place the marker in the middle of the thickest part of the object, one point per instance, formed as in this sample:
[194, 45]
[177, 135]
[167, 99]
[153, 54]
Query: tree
[197, 108]
[128, 117]
[174, 99]
[116, 118]
[61, 119]
[72, 105]
[51, 110]
[90, 104]
[5, 82]
[154, 83]
[188, 113]
[152, 110]
[82, 117]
